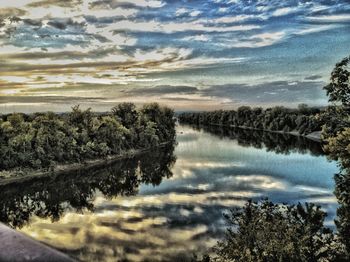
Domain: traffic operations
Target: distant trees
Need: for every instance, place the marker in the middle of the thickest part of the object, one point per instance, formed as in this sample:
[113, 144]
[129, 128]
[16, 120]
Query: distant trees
[303, 120]
[42, 140]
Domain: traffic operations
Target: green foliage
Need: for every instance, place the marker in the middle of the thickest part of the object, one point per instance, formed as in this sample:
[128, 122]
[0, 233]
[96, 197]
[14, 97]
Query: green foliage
[338, 89]
[50, 196]
[335, 119]
[126, 113]
[342, 192]
[339, 147]
[269, 232]
[43, 140]
[304, 120]
[336, 131]
[336, 134]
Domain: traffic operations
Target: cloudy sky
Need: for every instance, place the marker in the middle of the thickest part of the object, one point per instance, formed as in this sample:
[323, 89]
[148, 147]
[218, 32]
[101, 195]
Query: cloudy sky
[186, 54]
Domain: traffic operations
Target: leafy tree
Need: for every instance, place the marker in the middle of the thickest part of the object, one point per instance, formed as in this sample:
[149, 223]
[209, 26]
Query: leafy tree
[338, 89]
[342, 192]
[82, 119]
[339, 147]
[336, 134]
[126, 114]
[265, 231]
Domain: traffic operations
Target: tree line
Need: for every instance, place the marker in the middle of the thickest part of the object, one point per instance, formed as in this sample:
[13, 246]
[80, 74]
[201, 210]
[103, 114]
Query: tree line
[304, 119]
[43, 140]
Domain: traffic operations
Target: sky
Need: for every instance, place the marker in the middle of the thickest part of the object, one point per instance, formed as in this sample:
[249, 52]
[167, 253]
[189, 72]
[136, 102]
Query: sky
[189, 55]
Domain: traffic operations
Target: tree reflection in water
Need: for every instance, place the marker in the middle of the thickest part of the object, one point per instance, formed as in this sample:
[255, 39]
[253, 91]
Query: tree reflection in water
[279, 143]
[50, 197]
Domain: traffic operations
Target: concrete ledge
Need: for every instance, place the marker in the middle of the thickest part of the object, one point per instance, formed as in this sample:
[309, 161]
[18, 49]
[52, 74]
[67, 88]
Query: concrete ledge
[15, 246]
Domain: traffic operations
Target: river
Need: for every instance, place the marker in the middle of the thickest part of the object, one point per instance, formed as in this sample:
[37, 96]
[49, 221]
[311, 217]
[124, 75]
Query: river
[168, 204]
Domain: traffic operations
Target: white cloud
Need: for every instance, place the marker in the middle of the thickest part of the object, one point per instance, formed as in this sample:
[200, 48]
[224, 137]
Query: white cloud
[284, 11]
[171, 27]
[263, 8]
[185, 11]
[206, 61]
[233, 19]
[317, 8]
[79, 12]
[256, 41]
[181, 11]
[314, 29]
[15, 3]
[123, 12]
[266, 39]
[48, 11]
[16, 79]
[195, 13]
[161, 54]
[330, 18]
[223, 9]
[141, 3]
[146, 3]
[6, 49]
[202, 38]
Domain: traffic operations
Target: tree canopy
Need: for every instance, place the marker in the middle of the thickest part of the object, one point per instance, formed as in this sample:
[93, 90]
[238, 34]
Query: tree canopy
[263, 231]
[43, 140]
[303, 120]
[338, 90]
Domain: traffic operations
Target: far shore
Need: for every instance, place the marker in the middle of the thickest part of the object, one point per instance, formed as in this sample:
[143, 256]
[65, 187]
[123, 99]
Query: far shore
[315, 136]
[16, 176]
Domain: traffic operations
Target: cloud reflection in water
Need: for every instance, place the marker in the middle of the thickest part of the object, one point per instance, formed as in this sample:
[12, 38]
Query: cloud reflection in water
[183, 214]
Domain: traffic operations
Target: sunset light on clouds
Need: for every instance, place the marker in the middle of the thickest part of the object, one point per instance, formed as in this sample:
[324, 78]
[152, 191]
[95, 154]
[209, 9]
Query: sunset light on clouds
[190, 55]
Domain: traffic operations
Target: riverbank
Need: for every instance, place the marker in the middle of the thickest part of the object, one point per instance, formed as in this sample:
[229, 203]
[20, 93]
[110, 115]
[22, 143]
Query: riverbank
[9, 177]
[314, 136]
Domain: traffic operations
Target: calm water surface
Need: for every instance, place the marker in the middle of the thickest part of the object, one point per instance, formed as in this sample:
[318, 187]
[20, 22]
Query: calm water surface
[159, 207]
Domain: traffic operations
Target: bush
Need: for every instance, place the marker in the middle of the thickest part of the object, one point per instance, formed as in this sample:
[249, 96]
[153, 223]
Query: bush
[265, 231]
